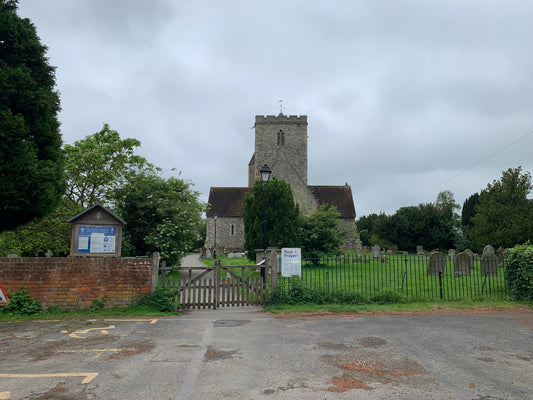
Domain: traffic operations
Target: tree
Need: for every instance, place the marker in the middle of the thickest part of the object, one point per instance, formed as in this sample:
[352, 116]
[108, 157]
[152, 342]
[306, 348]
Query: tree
[36, 238]
[504, 214]
[366, 225]
[432, 225]
[162, 215]
[99, 164]
[467, 214]
[31, 169]
[320, 231]
[95, 167]
[282, 217]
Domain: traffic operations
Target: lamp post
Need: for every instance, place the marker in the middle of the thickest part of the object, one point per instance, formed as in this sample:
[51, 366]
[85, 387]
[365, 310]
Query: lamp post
[215, 217]
[265, 176]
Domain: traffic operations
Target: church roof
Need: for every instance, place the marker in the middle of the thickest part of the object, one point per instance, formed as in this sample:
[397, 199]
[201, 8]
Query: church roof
[227, 201]
[338, 196]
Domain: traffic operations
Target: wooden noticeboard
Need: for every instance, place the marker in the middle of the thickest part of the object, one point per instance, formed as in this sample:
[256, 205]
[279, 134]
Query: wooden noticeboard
[96, 232]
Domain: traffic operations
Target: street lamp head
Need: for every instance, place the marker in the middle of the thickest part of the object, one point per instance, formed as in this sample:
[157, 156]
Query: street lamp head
[215, 217]
[265, 173]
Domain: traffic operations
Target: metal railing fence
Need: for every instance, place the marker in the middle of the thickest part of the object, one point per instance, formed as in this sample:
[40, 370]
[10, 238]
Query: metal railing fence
[411, 276]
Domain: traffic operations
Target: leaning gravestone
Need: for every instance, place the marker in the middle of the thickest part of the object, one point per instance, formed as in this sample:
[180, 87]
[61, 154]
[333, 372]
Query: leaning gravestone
[375, 252]
[463, 263]
[488, 249]
[436, 263]
[489, 264]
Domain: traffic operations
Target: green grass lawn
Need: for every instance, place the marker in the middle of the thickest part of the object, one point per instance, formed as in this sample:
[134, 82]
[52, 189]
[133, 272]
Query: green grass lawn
[401, 274]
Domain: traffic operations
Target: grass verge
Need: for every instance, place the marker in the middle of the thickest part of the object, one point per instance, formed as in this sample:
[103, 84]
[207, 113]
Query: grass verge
[407, 307]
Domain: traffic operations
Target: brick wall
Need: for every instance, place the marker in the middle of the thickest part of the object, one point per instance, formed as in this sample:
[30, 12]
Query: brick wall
[73, 283]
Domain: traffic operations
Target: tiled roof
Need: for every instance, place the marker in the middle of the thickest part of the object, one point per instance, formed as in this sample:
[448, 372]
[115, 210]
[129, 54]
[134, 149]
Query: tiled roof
[339, 196]
[227, 201]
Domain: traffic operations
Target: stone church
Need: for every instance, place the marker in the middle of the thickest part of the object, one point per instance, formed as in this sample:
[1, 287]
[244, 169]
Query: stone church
[281, 143]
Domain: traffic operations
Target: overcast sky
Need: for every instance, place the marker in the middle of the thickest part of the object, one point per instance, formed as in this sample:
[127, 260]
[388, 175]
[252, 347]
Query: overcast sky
[404, 98]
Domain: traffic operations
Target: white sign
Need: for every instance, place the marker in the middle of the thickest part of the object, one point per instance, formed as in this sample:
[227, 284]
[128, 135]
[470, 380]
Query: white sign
[291, 262]
[3, 296]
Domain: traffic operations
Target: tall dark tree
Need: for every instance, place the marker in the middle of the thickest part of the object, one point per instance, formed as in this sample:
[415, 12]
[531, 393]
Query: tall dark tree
[504, 214]
[467, 214]
[282, 217]
[31, 170]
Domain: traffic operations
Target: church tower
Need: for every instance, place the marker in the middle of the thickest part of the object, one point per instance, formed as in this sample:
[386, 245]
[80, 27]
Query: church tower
[281, 143]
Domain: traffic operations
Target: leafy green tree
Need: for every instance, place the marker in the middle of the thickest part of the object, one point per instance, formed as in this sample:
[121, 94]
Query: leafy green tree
[31, 169]
[36, 238]
[366, 228]
[99, 164]
[162, 215]
[95, 167]
[320, 231]
[432, 225]
[504, 214]
[282, 217]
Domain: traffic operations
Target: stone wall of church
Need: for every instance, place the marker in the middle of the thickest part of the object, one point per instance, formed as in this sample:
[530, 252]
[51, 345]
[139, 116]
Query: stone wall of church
[229, 234]
[348, 228]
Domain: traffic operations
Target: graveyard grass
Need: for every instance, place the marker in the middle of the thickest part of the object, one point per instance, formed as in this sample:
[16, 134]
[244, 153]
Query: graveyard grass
[405, 275]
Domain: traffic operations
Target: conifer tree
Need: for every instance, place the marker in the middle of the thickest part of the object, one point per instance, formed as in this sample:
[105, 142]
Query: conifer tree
[31, 169]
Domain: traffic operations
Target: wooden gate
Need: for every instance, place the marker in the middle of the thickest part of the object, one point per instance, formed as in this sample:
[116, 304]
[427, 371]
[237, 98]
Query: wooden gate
[203, 287]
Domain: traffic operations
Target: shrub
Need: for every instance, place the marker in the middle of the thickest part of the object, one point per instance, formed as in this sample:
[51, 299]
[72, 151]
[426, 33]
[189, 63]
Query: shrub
[300, 293]
[162, 299]
[98, 304]
[520, 272]
[21, 303]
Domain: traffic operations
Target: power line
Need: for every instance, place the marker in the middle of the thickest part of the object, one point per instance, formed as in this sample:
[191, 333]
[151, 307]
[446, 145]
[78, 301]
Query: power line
[468, 168]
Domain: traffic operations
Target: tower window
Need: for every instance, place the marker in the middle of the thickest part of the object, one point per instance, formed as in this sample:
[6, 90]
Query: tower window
[232, 230]
[281, 138]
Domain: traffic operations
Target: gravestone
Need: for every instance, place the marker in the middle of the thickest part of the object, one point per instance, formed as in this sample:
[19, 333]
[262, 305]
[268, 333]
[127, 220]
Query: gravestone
[436, 263]
[231, 255]
[463, 264]
[489, 264]
[375, 252]
[451, 254]
[420, 250]
[488, 249]
[358, 247]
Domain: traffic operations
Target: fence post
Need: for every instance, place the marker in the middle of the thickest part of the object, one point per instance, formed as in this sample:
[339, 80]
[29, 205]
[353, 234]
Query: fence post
[440, 285]
[274, 269]
[155, 271]
[216, 273]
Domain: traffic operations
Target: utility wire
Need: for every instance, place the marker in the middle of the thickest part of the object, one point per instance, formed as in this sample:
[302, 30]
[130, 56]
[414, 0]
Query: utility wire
[468, 168]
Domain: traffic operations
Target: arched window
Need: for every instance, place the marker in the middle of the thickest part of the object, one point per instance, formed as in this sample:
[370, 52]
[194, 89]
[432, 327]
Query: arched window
[281, 138]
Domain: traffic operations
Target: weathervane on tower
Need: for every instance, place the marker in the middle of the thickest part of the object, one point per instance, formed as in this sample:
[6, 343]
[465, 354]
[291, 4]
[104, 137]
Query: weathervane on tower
[281, 107]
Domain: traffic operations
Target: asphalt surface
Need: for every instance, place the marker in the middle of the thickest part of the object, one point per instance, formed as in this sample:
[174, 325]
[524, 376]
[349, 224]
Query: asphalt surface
[242, 353]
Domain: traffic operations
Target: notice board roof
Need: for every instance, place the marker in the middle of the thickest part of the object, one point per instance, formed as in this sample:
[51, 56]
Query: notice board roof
[97, 207]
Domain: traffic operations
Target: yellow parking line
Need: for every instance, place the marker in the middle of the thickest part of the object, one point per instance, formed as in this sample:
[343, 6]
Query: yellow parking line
[90, 350]
[152, 321]
[88, 376]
